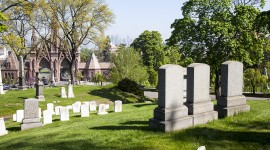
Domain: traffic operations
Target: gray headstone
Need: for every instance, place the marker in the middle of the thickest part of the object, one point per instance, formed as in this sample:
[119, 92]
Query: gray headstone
[47, 117]
[199, 102]
[39, 88]
[170, 114]
[31, 114]
[231, 101]
[3, 130]
[118, 106]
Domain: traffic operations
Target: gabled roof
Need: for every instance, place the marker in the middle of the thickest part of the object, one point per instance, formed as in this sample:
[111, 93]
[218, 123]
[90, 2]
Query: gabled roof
[92, 63]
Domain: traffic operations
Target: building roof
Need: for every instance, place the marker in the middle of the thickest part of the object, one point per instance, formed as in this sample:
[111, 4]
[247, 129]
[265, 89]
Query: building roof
[92, 63]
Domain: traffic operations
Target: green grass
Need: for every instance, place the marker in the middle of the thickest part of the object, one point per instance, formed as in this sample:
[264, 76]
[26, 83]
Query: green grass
[13, 100]
[129, 130]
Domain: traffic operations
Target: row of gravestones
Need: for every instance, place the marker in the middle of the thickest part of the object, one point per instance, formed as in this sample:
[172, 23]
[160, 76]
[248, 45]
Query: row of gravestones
[184, 99]
[30, 116]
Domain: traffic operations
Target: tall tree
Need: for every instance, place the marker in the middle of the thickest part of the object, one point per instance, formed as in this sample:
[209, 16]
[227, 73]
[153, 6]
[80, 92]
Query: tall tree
[149, 44]
[79, 22]
[85, 54]
[128, 64]
[216, 31]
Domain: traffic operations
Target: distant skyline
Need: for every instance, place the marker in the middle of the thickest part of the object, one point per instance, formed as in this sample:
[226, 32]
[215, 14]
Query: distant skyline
[134, 17]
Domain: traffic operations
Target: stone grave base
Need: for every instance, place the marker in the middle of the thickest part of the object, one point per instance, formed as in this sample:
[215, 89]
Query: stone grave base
[26, 126]
[231, 111]
[202, 107]
[204, 118]
[170, 113]
[231, 101]
[171, 125]
[40, 98]
[102, 113]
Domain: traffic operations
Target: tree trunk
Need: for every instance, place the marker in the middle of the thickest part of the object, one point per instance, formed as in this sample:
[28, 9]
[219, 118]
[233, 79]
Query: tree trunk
[253, 88]
[72, 72]
[217, 84]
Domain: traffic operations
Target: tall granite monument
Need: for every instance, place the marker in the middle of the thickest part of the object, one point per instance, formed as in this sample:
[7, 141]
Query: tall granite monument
[39, 88]
[231, 101]
[171, 114]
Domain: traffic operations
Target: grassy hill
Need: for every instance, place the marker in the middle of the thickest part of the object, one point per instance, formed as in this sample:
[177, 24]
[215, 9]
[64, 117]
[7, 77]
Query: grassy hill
[129, 129]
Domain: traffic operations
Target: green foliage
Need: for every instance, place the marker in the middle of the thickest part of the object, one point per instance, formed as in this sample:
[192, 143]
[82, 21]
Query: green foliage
[3, 27]
[85, 54]
[98, 78]
[213, 32]
[128, 64]
[130, 86]
[254, 78]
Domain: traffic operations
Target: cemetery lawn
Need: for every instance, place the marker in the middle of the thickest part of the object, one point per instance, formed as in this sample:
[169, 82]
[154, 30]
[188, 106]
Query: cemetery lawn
[129, 129]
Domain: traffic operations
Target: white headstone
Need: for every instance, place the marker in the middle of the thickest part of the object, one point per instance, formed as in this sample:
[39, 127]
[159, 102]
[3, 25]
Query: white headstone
[84, 110]
[86, 103]
[70, 91]
[63, 92]
[57, 110]
[19, 115]
[1, 84]
[3, 130]
[47, 117]
[102, 109]
[107, 106]
[93, 106]
[14, 117]
[64, 114]
[50, 107]
[76, 107]
[201, 148]
[117, 106]
[69, 107]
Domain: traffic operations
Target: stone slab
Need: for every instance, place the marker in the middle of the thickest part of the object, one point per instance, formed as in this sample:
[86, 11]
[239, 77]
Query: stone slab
[102, 109]
[63, 92]
[31, 125]
[204, 118]
[170, 113]
[118, 106]
[231, 111]
[64, 114]
[231, 101]
[93, 106]
[202, 107]
[84, 110]
[19, 115]
[171, 125]
[47, 117]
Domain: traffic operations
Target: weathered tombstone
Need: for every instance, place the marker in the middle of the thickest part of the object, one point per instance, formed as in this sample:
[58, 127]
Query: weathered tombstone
[87, 103]
[1, 84]
[63, 92]
[21, 75]
[47, 117]
[31, 114]
[117, 106]
[76, 107]
[199, 102]
[70, 91]
[3, 130]
[57, 110]
[64, 114]
[170, 114]
[39, 88]
[93, 106]
[50, 107]
[14, 117]
[231, 101]
[201, 148]
[84, 110]
[184, 85]
[19, 115]
[102, 109]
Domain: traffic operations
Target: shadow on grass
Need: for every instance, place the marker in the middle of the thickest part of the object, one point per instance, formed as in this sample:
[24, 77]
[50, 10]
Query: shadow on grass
[143, 128]
[23, 97]
[213, 136]
[258, 125]
[14, 129]
[108, 93]
[135, 122]
[145, 104]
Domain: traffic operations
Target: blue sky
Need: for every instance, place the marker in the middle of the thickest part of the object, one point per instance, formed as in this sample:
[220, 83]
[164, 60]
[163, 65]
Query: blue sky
[135, 16]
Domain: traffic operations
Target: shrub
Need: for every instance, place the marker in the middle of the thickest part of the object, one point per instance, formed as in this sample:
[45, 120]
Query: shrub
[130, 86]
